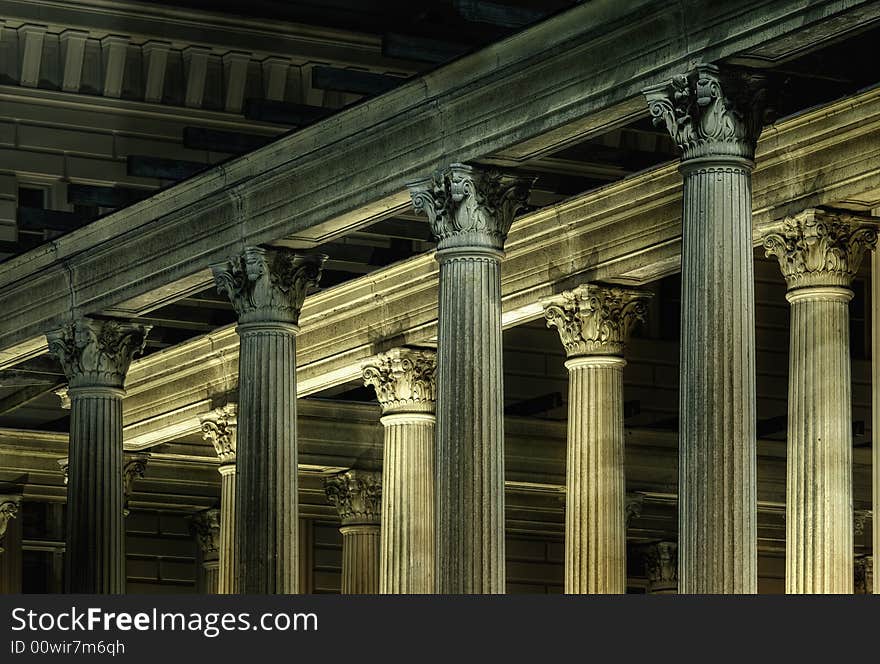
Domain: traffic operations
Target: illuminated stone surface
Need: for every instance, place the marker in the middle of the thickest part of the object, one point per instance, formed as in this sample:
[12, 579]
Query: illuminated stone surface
[819, 253]
[715, 118]
[404, 380]
[95, 356]
[357, 495]
[219, 426]
[267, 288]
[593, 323]
[470, 212]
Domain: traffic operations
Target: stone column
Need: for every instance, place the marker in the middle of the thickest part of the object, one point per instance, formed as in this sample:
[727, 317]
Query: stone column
[207, 526]
[95, 356]
[357, 495]
[661, 567]
[864, 575]
[715, 118]
[819, 253]
[875, 391]
[10, 545]
[470, 212]
[405, 386]
[267, 287]
[593, 323]
[219, 427]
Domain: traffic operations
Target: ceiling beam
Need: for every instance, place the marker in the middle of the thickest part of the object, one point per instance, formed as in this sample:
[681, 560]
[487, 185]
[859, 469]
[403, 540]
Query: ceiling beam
[422, 49]
[162, 168]
[24, 396]
[354, 81]
[496, 13]
[216, 140]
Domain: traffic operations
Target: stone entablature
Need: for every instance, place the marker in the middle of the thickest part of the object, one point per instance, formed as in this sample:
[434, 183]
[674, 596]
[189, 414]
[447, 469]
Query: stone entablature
[410, 144]
[178, 56]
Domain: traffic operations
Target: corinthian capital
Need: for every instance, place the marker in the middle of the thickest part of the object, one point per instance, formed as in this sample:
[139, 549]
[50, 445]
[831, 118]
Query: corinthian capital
[404, 379]
[709, 112]
[219, 427]
[469, 207]
[595, 320]
[64, 466]
[661, 565]
[97, 353]
[860, 519]
[820, 247]
[267, 284]
[134, 465]
[357, 495]
[864, 575]
[206, 525]
[8, 510]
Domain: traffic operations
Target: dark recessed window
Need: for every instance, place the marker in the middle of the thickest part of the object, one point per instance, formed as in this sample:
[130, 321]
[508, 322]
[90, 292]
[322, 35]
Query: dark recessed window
[32, 197]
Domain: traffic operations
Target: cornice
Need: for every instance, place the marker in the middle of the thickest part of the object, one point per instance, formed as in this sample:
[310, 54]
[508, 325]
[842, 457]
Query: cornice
[136, 110]
[282, 187]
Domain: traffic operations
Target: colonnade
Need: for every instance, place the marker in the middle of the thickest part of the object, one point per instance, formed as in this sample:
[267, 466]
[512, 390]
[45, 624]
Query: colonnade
[433, 519]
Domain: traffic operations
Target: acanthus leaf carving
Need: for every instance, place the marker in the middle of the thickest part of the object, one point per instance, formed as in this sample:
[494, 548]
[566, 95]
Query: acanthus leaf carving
[134, 466]
[206, 525]
[819, 247]
[404, 379]
[268, 284]
[470, 207]
[219, 427]
[595, 320]
[9, 506]
[97, 353]
[661, 565]
[710, 112]
[357, 495]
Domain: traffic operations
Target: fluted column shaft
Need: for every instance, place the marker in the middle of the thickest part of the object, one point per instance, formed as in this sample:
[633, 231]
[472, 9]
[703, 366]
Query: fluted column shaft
[819, 253]
[404, 380]
[875, 397]
[717, 458]
[470, 211]
[593, 323]
[95, 356]
[357, 495]
[226, 573]
[360, 559]
[470, 426]
[210, 577]
[407, 543]
[206, 525]
[267, 286]
[715, 117]
[819, 532]
[267, 506]
[595, 526]
[95, 555]
[220, 427]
